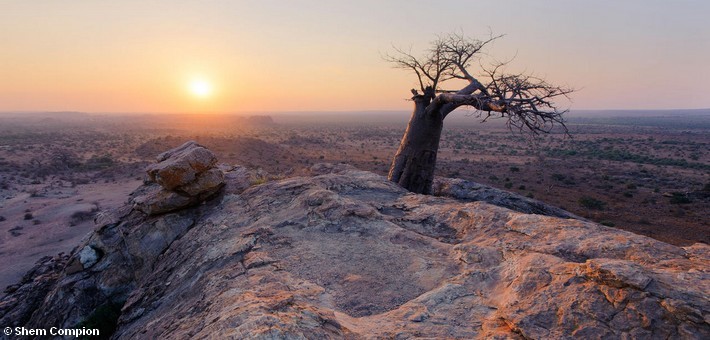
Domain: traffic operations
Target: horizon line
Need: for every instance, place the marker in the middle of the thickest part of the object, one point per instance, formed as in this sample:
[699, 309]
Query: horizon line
[287, 112]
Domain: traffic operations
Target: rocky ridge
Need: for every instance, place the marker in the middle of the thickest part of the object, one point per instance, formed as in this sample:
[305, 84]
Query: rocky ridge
[346, 254]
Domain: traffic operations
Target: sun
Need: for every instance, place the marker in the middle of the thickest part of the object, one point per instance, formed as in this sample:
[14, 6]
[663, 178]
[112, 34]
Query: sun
[200, 88]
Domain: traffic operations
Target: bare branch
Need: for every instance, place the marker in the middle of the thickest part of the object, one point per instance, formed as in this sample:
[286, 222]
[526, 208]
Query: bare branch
[526, 101]
[448, 57]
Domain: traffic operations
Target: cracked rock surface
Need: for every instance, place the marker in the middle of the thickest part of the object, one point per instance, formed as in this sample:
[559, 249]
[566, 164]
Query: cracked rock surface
[347, 254]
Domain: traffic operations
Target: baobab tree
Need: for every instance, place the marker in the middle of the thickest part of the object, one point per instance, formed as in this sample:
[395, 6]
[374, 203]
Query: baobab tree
[525, 101]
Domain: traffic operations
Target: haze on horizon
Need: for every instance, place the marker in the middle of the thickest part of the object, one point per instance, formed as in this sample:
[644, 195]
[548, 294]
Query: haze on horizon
[237, 56]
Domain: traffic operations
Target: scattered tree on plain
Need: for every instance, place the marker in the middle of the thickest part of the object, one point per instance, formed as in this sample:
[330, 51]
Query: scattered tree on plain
[525, 101]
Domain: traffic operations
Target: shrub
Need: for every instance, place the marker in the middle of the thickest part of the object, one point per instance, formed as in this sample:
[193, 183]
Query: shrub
[592, 203]
[514, 169]
[558, 177]
[81, 216]
[679, 198]
[258, 180]
[28, 216]
[508, 185]
[99, 162]
[607, 223]
[104, 318]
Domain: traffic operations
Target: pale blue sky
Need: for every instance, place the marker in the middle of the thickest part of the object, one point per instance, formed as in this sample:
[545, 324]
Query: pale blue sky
[325, 55]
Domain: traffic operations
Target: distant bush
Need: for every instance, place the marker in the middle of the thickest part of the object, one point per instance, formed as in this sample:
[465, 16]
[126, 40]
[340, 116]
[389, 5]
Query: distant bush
[679, 198]
[81, 216]
[514, 169]
[508, 185]
[99, 162]
[28, 216]
[592, 203]
[81, 181]
[607, 223]
[593, 151]
[558, 177]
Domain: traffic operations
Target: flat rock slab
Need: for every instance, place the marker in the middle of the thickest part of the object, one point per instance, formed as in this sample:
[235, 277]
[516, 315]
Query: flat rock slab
[347, 254]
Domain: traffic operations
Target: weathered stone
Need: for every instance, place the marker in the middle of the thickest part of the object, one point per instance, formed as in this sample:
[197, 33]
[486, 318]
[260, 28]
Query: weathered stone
[616, 273]
[237, 180]
[473, 192]
[257, 259]
[347, 254]
[206, 182]
[26, 297]
[180, 166]
[159, 201]
[88, 256]
[74, 266]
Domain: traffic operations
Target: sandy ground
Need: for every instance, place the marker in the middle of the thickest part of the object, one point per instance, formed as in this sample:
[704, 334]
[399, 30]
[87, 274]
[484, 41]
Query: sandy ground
[49, 231]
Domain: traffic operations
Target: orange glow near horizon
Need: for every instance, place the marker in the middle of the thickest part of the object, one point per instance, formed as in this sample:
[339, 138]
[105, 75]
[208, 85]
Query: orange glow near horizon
[232, 56]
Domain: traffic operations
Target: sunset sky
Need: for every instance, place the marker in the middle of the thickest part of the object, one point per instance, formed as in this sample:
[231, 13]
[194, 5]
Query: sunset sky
[236, 56]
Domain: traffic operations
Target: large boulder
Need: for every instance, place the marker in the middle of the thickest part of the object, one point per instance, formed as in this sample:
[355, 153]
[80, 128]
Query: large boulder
[186, 176]
[159, 201]
[182, 165]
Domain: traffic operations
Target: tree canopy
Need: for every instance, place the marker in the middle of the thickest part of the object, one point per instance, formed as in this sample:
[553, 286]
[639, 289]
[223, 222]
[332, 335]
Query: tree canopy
[525, 100]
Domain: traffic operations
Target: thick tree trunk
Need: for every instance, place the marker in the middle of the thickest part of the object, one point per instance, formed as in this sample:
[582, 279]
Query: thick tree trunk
[413, 164]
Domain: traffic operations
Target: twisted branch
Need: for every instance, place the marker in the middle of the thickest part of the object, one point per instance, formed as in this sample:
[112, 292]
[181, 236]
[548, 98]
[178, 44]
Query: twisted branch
[526, 101]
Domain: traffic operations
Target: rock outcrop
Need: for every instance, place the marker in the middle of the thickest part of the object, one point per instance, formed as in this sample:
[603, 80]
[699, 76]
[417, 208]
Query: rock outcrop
[184, 176]
[347, 254]
[468, 191]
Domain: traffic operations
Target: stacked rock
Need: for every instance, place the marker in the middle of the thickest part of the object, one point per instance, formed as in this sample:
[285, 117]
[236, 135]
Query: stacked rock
[186, 176]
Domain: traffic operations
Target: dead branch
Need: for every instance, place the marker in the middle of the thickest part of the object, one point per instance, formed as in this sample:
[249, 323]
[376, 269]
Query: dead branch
[526, 101]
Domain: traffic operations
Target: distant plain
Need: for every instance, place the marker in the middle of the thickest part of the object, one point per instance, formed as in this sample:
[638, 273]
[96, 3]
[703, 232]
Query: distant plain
[647, 172]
